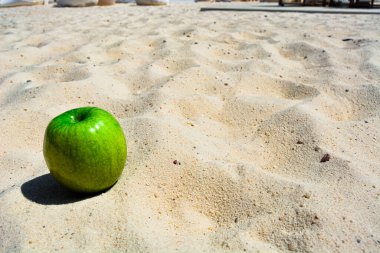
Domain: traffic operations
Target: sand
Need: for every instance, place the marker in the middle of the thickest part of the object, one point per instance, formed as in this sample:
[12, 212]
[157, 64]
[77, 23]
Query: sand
[247, 104]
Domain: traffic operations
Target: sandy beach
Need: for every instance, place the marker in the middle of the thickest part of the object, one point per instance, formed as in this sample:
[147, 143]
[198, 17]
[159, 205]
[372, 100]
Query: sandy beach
[246, 131]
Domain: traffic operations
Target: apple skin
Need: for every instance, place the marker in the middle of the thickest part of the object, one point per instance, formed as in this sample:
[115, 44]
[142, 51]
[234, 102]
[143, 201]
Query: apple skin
[85, 149]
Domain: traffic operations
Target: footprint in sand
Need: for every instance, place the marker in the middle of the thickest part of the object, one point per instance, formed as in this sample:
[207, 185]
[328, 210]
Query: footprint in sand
[309, 55]
[352, 104]
[64, 73]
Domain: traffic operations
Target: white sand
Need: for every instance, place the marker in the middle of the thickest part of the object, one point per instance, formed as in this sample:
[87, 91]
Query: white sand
[228, 95]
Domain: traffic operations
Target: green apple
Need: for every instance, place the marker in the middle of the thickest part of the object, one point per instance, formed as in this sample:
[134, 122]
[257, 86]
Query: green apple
[85, 149]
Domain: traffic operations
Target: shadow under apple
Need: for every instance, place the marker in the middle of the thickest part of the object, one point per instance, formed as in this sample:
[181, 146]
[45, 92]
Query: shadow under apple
[46, 191]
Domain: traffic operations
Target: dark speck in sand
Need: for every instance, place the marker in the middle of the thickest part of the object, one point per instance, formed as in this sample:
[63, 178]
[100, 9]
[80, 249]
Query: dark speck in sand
[176, 162]
[365, 121]
[347, 39]
[28, 81]
[325, 158]
[299, 142]
[347, 90]
[306, 196]
[164, 41]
